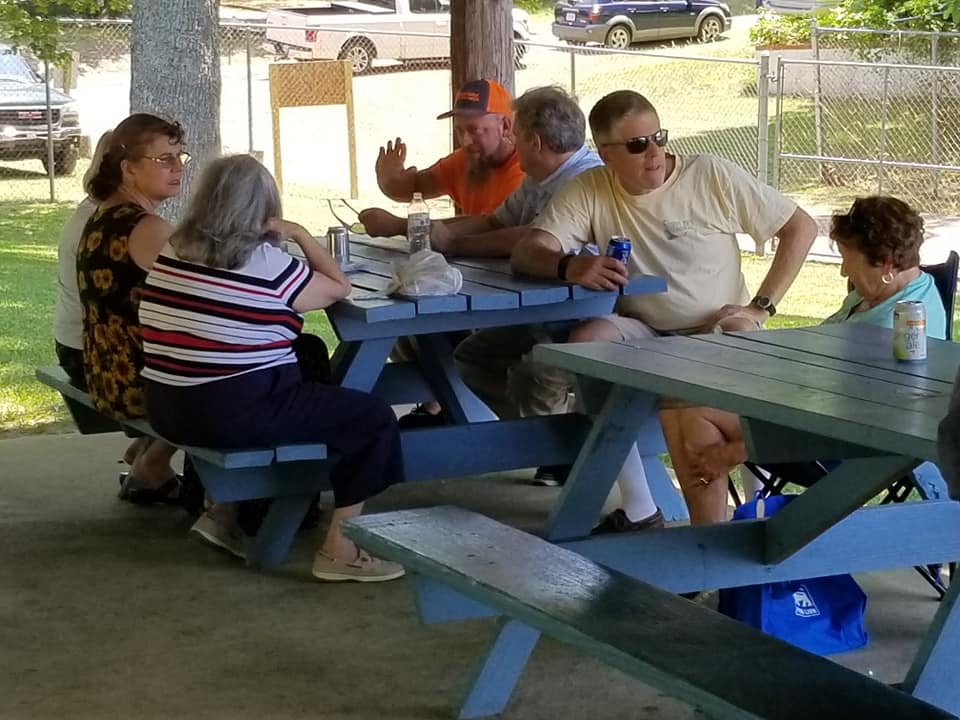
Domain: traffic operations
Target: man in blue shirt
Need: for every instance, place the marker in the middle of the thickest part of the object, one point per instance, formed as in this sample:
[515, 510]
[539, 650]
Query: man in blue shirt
[550, 132]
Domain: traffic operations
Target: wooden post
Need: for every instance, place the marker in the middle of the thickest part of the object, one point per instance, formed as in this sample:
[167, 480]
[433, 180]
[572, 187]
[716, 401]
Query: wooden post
[481, 41]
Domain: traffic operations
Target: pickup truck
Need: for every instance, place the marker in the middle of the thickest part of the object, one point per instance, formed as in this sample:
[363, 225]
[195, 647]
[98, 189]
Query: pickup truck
[23, 117]
[314, 32]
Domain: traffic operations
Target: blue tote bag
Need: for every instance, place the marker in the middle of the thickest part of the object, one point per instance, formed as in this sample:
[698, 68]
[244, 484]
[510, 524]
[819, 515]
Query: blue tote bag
[820, 615]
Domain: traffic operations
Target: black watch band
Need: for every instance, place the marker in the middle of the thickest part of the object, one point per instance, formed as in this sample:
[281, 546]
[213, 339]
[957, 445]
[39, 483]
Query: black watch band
[764, 303]
[562, 266]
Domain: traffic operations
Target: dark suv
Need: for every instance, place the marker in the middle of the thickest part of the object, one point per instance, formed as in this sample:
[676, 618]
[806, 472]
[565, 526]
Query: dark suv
[620, 23]
[23, 117]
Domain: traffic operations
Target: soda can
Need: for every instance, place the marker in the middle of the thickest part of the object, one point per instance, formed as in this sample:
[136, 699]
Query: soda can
[909, 331]
[338, 243]
[619, 248]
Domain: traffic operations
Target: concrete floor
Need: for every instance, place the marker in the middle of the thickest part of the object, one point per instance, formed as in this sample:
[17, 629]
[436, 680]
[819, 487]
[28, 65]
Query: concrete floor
[110, 611]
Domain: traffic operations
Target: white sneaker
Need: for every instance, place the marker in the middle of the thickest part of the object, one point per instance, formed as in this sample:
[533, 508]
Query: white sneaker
[364, 568]
[220, 536]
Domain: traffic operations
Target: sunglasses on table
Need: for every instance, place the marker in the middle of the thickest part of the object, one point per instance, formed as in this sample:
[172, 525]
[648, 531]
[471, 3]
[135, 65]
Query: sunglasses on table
[170, 160]
[639, 144]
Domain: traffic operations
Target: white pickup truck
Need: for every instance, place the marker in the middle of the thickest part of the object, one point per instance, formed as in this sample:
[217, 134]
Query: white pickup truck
[362, 31]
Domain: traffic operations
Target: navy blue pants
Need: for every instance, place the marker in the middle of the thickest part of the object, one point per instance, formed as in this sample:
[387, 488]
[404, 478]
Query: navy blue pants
[276, 406]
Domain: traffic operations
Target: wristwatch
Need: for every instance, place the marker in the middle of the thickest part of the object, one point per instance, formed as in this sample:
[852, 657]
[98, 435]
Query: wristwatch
[764, 303]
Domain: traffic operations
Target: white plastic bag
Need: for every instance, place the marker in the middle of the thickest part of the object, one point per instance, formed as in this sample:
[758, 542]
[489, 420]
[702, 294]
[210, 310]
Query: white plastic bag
[425, 273]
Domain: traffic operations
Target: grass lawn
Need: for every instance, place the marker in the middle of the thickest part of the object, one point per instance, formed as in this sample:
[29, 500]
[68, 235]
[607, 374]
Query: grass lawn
[28, 272]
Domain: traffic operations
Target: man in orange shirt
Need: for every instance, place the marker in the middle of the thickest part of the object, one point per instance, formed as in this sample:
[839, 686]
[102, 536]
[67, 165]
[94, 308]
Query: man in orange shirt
[478, 175]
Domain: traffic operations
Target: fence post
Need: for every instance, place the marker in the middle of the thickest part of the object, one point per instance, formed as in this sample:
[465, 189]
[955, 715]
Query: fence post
[250, 149]
[884, 109]
[817, 100]
[763, 118]
[934, 109]
[573, 71]
[50, 159]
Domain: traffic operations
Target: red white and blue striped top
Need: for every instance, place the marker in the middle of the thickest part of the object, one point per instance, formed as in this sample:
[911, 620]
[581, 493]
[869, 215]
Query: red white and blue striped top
[201, 324]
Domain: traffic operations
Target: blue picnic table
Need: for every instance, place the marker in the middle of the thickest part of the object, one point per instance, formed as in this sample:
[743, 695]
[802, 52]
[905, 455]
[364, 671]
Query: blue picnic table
[369, 324]
[829, 392]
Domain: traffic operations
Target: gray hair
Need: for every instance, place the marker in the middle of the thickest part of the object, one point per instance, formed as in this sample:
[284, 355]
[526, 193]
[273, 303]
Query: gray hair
[102, 144]
[553, 115]
[612, 108]
[223, 224]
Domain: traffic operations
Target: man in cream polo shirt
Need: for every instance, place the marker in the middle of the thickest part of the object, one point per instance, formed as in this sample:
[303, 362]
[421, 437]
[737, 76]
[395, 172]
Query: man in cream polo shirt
[682, 215]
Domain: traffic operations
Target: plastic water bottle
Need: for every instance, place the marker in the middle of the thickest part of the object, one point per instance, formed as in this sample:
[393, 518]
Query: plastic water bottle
[418, 224]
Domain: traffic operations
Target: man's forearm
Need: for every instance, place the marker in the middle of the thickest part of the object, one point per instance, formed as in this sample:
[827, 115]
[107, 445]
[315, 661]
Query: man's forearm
[795, 239]
[399, 188]
[534, 255]
[495, 243]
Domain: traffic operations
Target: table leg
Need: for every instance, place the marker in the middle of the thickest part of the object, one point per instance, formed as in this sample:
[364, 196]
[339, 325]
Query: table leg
[278, 530]
[829, 501]
[460, 405]
[498, 673]
[357, 365]
[613, 434]
[933, 675]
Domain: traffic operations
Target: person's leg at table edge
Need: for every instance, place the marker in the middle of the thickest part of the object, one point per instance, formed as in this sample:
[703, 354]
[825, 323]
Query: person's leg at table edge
[638, 510]
[485, 359]
[704, 444]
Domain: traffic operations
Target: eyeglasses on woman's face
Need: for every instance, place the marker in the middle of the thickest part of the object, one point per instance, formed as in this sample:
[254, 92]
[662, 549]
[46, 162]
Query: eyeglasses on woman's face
[170, 161]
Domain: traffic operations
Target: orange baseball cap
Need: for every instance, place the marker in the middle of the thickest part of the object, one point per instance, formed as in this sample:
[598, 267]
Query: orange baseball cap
[480, 97]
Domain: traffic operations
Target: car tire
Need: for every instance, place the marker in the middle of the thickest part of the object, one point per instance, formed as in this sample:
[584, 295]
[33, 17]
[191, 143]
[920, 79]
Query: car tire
[64, 160]
[361, 53]
[519, 50]
[710, 30]
[619, 37]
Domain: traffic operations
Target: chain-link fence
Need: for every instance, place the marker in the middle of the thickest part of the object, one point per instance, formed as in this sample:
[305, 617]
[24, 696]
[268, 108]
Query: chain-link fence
[914, 47]
[854, 128]
[295, 115]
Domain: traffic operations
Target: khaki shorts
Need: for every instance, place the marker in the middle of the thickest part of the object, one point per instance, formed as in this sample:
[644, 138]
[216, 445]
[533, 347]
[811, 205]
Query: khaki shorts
[630, 328]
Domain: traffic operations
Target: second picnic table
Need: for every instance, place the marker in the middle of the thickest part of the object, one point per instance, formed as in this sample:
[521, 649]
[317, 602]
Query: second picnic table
[369, 324]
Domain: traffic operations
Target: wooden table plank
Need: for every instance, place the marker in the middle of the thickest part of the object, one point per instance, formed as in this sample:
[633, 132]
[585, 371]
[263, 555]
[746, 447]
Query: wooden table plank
[752, 343]
[426, 305]
[530, 292]
[866, 345]
[883, 392]
[374, 309]
[478, 297]
[911, 432]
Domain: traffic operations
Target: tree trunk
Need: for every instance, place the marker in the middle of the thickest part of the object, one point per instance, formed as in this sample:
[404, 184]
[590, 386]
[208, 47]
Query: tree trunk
[481, 41]
[175, 73]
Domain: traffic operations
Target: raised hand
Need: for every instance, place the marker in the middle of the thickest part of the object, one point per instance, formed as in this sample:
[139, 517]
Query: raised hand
[390, 160]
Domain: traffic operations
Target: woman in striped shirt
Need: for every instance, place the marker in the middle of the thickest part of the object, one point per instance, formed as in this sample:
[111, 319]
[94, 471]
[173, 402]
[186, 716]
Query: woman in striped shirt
[220, 312]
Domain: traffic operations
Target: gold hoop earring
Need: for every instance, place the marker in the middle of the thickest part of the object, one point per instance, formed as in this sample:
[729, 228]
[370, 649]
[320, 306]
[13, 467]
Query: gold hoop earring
[886, 278]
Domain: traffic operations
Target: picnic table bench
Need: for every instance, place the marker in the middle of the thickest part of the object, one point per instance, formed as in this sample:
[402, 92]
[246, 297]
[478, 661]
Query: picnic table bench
[290, 474]
[681, 648]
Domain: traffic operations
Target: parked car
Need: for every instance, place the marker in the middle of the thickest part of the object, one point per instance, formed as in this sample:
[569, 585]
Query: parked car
[311, 33]
[620, 23]
[23, 116]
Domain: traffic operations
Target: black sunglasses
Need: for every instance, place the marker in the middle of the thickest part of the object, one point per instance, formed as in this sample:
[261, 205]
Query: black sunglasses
[639, 144]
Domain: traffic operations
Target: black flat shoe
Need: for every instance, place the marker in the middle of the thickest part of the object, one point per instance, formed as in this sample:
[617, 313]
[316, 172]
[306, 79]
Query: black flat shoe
[166, 494]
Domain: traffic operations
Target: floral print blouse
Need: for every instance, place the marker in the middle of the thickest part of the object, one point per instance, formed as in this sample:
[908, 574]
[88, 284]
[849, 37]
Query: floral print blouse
[110, 282]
